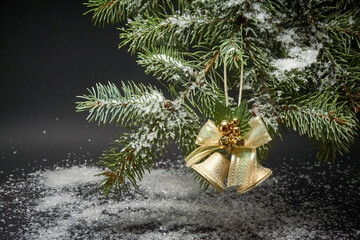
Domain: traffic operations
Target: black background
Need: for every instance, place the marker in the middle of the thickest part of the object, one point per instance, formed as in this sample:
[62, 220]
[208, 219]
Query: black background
[50, 53]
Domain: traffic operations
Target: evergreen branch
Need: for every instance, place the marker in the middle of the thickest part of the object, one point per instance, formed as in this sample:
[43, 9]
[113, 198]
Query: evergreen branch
[192, 84]
[203, 94]
[211, 63]
[109, 11]
[232, 52]
[167, 65]
[152, 32]
[106, 12]
[333, 128]
[154, 122]
[326, 117]
[134, 153]
[352, 93]
[127, 160]
[107, 104]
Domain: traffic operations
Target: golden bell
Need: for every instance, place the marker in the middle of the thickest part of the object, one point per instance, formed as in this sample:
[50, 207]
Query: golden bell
[214, 170]
[257, 175]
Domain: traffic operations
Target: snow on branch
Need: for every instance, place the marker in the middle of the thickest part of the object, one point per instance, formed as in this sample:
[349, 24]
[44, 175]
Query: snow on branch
[167, 66]
[182, 21]
[107, 104]
[299, 58]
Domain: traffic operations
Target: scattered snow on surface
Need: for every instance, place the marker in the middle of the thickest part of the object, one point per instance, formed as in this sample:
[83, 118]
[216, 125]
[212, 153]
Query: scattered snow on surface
[299, 201]
[69, 176]
[52, 201]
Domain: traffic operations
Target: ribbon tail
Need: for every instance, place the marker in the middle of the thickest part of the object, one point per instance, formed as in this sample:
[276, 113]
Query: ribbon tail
[242, 168]
[199, 153]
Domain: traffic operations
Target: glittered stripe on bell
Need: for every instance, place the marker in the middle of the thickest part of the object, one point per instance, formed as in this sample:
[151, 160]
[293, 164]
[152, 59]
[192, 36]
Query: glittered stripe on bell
[258, 175]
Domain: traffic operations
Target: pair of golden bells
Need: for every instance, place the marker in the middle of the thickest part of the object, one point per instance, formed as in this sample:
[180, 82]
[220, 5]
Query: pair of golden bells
[242, 170]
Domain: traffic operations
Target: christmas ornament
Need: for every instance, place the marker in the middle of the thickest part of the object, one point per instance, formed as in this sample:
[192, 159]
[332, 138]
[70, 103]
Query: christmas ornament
[243, 170]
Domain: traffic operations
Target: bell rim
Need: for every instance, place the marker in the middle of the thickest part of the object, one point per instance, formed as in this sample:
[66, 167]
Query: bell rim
[256, 183]
[209, 180]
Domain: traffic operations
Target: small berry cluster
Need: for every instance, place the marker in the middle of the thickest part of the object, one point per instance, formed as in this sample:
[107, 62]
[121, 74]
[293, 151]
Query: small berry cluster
[231, 133]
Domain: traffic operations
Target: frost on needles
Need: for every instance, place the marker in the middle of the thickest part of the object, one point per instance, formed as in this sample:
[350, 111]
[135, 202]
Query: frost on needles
[301, 70]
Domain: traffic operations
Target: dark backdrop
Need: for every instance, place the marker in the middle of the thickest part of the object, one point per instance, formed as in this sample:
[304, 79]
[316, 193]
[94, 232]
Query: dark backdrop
[50, 53]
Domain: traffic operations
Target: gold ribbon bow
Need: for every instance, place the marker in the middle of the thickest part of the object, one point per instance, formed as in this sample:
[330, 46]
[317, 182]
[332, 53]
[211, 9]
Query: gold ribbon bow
[244, 170]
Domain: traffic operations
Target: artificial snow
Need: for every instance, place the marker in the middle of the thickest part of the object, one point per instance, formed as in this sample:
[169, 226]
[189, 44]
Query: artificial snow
[69, 177]
[299, 59]
[172, 62]
[262, 18]
[232, 3]
[303, 200]
[182, 21]
[288, 37]
[351, 20]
